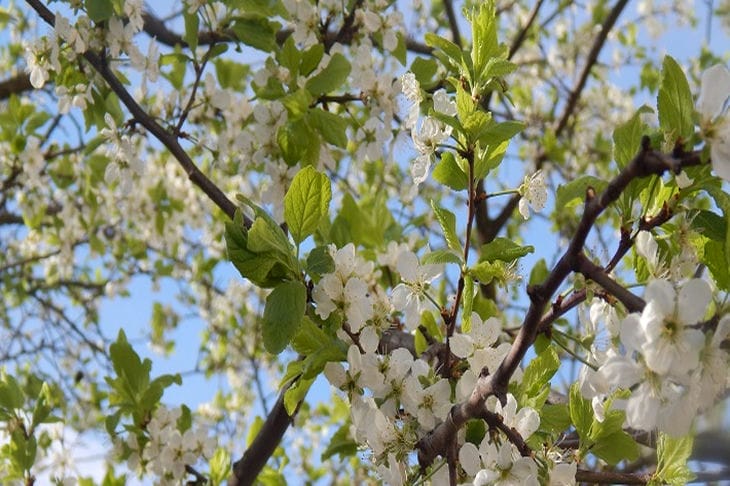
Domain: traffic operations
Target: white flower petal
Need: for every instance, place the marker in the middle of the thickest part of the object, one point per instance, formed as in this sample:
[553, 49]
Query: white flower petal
[692, 301]
[662, 293]
[461, 345]
[524, 208]
[714, 91]
[407, 266]
[720, 155]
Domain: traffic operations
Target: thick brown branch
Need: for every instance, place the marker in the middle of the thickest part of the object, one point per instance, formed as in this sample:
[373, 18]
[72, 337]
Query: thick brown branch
[608, 477]
[246, 469]
[599, 275]
[17, 84]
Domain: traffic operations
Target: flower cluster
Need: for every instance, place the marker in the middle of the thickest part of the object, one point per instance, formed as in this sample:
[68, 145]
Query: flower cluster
[430, 133]
[346, 288]
[410, 295]
[673, 369]
[163, 449]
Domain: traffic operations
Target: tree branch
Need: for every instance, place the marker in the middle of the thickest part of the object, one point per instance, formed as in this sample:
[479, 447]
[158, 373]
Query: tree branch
[646, 162]
[166, 138]
[593, 272]
[17, 84]
[496, 224]
[453, 22]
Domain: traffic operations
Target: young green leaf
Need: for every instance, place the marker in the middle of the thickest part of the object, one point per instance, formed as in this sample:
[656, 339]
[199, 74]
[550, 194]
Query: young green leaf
[576, 189]
[503, 249]
[306, 202]
[672, 457]
[627, 139]
[283, 315]
[331, 77]
[256, 31]
[447, 220]
[449, 173]
[674, 102]
[581, 412]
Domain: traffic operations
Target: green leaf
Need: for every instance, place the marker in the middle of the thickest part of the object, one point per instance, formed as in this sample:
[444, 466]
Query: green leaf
[331, 77]
[535, 385]
[306, 202]
[486, 271]
[672, 457]
[466, 108]
[674, 102]
[616, 447]
[503, 249]
[554, 418]
[256, 31]
[310, 338]
[289, 57]
[400, 52]
[22, 450]
[318, 347]
[341, 444]
[489, 158]
[364, 223]
[539, 272]
[627, 138]
[454, 54]
[484, 38]
[263, 270]
[333, 128]
[447, 220]
[424, 70]
[497, 68]
[432, 327]
[296, 393]
[710, 225]
[297, 103]
[722, 199]
[192, 24]
[496, 133]
[11, 395]
[440, 257]
[298, 142]
[219, 466]
[310, 59]
[713, 255]
[319, 262]
[576, 189]
[581, 412]
[283, 315]
[133, 374]
[99, 10]
[267, 237]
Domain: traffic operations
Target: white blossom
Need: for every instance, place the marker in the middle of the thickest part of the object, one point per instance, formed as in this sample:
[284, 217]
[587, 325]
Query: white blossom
[671, 345]
[409, 295]
[534, 193]
[427, 137]
[714, 119]
[443, 103]
[346, 288]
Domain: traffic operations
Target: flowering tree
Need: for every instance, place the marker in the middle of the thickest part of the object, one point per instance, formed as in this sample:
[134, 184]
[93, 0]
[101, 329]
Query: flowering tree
[454, 215]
